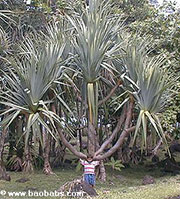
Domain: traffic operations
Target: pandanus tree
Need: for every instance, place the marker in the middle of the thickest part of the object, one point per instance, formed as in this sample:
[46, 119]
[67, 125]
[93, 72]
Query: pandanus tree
[96, 45]
[4, 51]
[148, 81]
[28, 81]
[97, 38]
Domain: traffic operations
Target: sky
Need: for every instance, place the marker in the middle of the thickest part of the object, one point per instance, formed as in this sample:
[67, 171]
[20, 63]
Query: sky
[178, 2]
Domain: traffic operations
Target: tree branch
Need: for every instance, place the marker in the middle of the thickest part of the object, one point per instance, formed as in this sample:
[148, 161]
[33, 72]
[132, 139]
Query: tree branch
[115, 131]
[68, 145]
[64, 140]
[154, 152]
[117, 145]
[125, 132]
[120, 141]
[110, 94]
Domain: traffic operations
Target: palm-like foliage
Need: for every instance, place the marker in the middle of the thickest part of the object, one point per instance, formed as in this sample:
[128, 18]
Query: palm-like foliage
[5, 45]
[147, 80]
[29, 80]
[96, 33]
[5, 48]
[4, 42]
[4, 16]
[96, 36]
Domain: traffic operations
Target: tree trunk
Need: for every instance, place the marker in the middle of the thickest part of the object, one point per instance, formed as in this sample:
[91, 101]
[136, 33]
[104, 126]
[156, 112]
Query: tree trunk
[119, 153]
[47, 167]
[80, 140]
[11, 138]
[19, 131]
[53, 147]
[91, 140]
[101, 168]
[27, 164]
[3, 174]
[40, 149]
[60, 152]
[102, 171]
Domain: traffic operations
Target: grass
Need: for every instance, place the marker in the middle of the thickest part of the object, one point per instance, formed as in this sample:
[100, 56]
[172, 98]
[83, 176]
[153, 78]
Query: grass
[126, 184]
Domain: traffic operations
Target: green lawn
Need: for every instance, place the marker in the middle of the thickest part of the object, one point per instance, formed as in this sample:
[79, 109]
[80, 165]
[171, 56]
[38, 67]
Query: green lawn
[126, 184]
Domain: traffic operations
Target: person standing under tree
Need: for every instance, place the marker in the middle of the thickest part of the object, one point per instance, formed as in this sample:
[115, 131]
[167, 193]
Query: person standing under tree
[89, 170]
